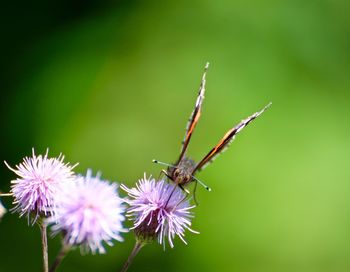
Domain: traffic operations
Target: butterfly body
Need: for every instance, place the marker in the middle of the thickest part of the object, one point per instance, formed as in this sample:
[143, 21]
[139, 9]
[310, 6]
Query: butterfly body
[181, 173]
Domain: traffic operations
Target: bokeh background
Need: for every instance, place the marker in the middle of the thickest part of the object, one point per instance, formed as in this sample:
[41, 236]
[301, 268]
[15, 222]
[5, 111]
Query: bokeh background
[111, 84]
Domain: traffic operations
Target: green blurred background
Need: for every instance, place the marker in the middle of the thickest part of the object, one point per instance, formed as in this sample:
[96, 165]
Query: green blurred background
[111, 84]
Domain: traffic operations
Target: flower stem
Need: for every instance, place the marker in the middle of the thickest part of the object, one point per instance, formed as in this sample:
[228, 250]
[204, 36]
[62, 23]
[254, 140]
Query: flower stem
[136, 249]
[60, 256]
[42, 226]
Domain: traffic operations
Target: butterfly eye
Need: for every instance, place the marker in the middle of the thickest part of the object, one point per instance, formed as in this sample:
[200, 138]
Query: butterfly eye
[176, 173]
[187, 178]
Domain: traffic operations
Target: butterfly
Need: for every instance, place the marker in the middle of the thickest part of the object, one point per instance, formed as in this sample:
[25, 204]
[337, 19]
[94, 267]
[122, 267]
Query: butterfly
[183, 171]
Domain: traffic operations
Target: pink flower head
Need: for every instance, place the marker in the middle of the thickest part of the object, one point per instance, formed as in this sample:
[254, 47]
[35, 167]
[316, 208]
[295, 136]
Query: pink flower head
[160, 210]
[89, 212]
[36, 185]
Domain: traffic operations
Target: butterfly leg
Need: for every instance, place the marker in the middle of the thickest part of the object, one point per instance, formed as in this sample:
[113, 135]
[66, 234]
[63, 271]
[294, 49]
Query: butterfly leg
[160, 174]
[184, 189]
[194, 193]
[185, 197]
[165, 173]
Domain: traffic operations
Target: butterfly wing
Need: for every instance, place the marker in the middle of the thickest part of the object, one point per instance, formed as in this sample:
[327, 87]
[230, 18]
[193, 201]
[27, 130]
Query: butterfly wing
[192, 122]
[226, 140]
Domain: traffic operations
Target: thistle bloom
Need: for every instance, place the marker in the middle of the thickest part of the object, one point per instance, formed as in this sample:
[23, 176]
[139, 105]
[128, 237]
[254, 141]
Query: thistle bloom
[89, 212]
[34, 189]
[160, 211]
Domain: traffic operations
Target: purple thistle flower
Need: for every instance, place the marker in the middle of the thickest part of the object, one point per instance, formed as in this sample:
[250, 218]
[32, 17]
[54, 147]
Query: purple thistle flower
[89, 212]
[34, 189]
[160, 211]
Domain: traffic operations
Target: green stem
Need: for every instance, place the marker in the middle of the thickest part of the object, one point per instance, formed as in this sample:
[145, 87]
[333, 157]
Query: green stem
[132, 255]
[42, 226]
[60, 256]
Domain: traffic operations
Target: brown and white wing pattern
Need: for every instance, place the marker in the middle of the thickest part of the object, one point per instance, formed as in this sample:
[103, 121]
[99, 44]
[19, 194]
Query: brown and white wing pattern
[226, 140]
[192, 122]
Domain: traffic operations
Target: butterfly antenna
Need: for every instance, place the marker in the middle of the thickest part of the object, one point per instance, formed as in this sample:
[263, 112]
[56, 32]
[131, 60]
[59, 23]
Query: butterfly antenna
[164, 163]
[264, 109]
[202, 183]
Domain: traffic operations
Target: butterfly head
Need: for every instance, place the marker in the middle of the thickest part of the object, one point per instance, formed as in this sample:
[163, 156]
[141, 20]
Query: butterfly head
[182, 173]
